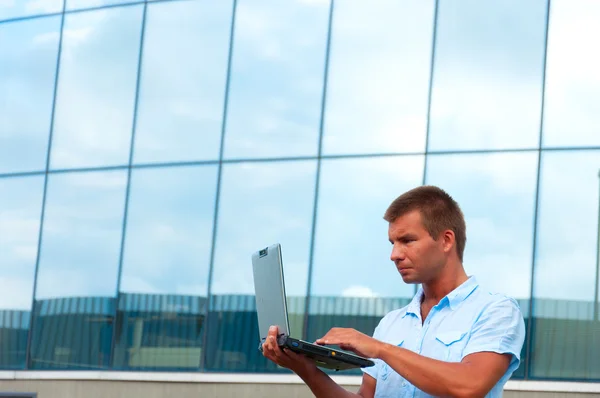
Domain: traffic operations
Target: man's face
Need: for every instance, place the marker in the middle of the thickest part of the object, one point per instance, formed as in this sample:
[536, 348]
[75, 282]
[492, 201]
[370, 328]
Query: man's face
[418, 257]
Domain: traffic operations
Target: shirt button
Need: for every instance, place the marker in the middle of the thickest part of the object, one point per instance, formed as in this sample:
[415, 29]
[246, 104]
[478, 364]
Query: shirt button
[403, 384]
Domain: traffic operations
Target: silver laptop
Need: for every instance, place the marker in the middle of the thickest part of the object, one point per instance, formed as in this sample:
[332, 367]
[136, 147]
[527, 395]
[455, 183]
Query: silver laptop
[271, 308]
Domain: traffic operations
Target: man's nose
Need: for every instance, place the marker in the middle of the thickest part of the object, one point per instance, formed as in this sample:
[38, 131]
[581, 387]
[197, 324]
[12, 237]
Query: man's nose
[397, 254]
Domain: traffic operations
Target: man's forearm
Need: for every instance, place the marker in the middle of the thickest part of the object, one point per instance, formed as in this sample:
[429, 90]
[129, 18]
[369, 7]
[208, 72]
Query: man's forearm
[429, 375]
[323, 386]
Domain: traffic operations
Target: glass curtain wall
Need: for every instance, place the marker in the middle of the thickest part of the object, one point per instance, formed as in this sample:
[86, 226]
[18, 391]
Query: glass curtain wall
[148, 148]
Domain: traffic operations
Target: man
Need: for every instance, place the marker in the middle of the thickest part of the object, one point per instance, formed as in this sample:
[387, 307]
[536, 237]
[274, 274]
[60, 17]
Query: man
[454, 339]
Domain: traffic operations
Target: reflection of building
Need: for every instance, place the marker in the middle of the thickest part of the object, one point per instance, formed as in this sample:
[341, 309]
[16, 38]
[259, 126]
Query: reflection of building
[145, 149]
[164, 332]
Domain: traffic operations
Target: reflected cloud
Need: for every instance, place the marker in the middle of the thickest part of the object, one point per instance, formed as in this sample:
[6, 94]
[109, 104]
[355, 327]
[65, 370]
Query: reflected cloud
[276, 79]
[94, 109]
[358, 291]
[81, 237]
[377, 88]
[487, 85]
[252, 218]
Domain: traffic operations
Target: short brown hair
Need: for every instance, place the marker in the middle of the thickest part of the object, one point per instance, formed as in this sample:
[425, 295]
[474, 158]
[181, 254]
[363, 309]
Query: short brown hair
[439, 212]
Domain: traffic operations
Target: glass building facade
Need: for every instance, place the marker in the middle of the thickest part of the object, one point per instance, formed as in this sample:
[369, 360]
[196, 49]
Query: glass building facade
[147, 149]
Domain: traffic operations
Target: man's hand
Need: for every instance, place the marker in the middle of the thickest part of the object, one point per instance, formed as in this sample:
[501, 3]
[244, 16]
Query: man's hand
[352, 340]
[297, 363]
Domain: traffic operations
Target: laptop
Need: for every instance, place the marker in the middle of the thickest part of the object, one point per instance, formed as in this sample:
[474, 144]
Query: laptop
[271, 308]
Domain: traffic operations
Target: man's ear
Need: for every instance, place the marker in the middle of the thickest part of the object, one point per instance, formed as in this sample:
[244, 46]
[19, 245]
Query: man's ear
[449, 240]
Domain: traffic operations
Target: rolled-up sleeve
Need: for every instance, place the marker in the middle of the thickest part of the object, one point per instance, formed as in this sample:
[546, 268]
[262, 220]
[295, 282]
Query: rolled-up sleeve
[501, 329]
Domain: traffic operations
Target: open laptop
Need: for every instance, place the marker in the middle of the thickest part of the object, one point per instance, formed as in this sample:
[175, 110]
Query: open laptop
[271, 307]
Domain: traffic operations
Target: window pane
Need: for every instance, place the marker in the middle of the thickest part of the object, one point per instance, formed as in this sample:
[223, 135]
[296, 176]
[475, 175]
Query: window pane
[572, 104]
[183, 81]
[352, 235]
[22, 8]
[498, 200]
[566, 340]
[261, 204]
[78, 4]
[488, 79]
[277, 78]
[94, 108]
[20, 208]
[378, 76]
[165, 268]
[28, 52]
[77, 275]
[354, 283]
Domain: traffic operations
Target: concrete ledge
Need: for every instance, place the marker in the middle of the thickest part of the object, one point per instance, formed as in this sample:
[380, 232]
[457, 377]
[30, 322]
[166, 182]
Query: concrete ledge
[260, 378]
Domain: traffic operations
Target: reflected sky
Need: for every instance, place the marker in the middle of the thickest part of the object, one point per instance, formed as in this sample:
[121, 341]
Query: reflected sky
[78, 4]
[487, 85]
[20, 207]
[276, 78]
[262, 204]
[486, 94]
[169, 227]
[82, 234]
[568, 225]
[22, 8]
[182, 86]
[572, 114]
[28, 54]
[352, 251]
[96, 88]
[378, 79]
[497, 198]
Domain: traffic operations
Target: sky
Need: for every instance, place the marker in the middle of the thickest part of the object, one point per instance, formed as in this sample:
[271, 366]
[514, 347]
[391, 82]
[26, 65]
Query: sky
[486, 94]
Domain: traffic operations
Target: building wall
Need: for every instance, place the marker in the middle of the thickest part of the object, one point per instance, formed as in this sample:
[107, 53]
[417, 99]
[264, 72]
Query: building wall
[148, 148]
[98, 389]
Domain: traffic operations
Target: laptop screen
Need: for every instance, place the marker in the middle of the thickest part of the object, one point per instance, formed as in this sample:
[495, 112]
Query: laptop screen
[269, 288]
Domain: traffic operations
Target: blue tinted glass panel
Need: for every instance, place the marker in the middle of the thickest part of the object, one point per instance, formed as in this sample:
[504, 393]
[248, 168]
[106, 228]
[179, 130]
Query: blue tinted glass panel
[22, 8]
[498, 201]
[572, 104]
[81, 234]
[354, 283]
[96, 88]
[169, 230]
[21, 205]
[183, 81]
[487, 85]
[378, 76]
[351, 235]
[77, 278]
[276, 78]
[28, 55]
[162, 303]
[260, 204]
[566, 343]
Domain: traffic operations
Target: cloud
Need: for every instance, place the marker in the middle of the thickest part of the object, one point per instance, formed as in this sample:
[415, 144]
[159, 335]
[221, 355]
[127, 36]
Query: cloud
[358, 291]
[572, 81]
[276, 80]
[16, 293]
[43, 6]
[93, 121]
[7, 3]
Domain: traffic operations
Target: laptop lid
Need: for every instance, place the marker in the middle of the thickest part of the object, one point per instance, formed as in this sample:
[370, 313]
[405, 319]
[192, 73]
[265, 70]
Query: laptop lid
[269, 288]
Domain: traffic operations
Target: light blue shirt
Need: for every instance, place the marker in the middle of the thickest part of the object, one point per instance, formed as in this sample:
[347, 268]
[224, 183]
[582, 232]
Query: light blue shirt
[468, 320]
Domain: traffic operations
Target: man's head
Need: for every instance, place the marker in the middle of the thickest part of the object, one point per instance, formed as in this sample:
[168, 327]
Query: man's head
[426, 228]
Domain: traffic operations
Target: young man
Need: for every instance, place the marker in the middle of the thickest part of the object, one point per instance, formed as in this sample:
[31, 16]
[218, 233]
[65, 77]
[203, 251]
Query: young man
[454, 339]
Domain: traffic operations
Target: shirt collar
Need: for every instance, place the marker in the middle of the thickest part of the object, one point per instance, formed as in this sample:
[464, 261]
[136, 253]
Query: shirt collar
[463, 291]
[454, 298]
